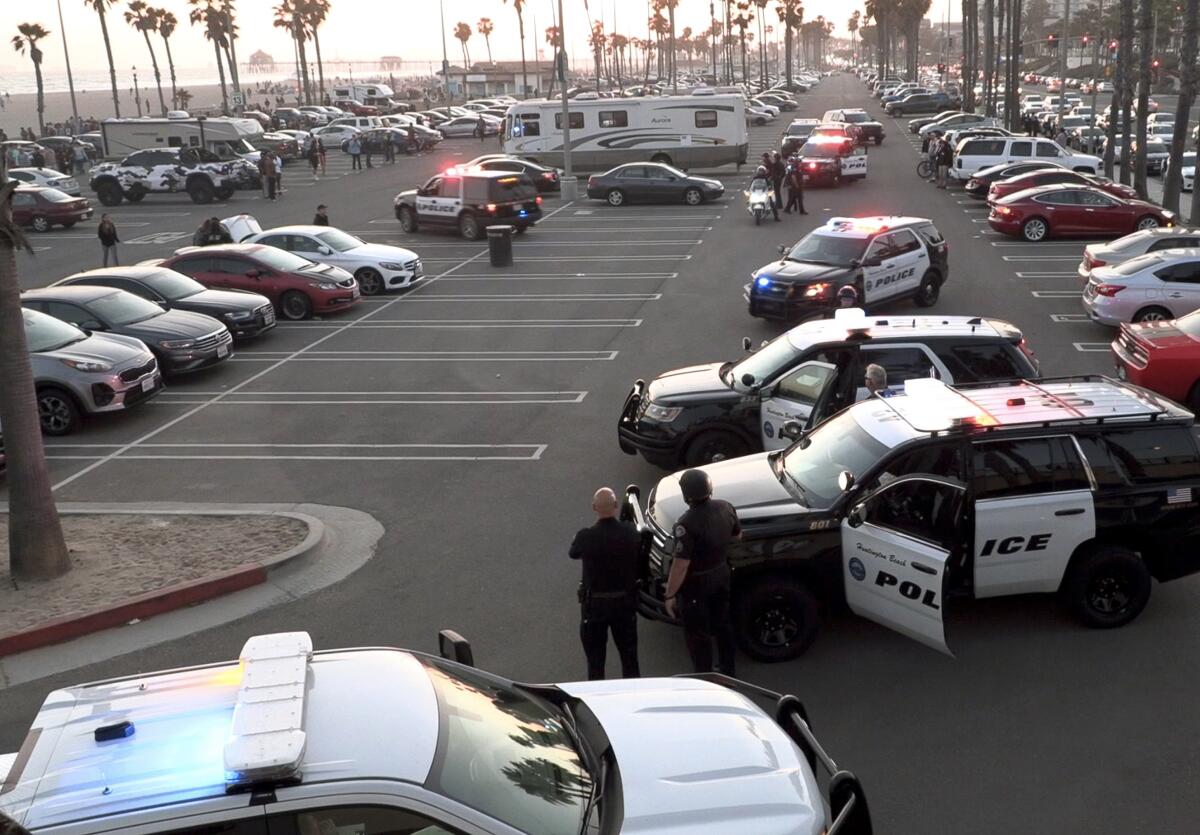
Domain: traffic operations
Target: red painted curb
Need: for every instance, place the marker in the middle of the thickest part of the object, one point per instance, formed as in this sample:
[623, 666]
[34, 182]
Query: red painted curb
[142, 607]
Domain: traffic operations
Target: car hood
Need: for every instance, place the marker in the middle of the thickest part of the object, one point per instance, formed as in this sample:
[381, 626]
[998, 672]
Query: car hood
[380, 252]
[100, 347]
[694, 757]
[706, 182]
[328, 272]
[800, 271]
[173, 324]
[747, 483]
[690, 383]
[225, 300]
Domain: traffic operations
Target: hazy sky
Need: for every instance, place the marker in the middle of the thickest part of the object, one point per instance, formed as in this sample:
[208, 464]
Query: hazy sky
[359, 29]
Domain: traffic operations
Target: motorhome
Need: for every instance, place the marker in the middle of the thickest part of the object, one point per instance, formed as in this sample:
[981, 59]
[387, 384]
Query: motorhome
[223, 136]
[362, 92]
[684, 131]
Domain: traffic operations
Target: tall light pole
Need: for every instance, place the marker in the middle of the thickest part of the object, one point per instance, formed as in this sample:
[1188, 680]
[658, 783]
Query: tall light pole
[1064, 48]
[569, 187]
[137, 94]
[70, 78]
[445, 56]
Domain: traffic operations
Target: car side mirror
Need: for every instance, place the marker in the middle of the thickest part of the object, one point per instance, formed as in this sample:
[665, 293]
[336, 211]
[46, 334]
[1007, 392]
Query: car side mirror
[253, 273]
[91, 325]
[324, 250]
[783, 249]
[857, 515]
[748, 381]
[455, 647]
[869, 262]
[792, 430]
[845, 480]
[746, 343]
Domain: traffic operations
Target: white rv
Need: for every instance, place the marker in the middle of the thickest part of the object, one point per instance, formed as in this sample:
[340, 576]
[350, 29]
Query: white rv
[223, 136]
[684, 131]
[359, 92]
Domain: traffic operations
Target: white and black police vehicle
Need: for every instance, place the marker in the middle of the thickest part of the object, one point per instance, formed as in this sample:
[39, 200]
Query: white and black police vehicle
[469, 200]
[717, 410]
[381, 741]
[884, 259]
[903, 505]
[831, 160]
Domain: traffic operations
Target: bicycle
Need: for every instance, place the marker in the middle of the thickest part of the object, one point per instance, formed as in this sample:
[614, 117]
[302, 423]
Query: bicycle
[924, 170]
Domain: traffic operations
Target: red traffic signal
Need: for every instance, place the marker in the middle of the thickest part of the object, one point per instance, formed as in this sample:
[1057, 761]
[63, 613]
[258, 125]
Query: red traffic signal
[1154, 63]
[1113, 45]
[1086, 39]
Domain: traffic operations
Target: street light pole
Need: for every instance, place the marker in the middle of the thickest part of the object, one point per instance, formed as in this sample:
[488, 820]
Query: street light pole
[1063, 49]
[70, 78]
[445, 55]
[569, 186]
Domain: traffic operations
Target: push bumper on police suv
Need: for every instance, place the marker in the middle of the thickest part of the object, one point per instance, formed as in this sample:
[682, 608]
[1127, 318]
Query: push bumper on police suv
[768, 298]
[656, 444]
[654, 563]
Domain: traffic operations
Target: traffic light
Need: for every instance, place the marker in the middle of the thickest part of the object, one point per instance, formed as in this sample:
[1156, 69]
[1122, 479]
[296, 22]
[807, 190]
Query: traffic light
[1113, 45]
[941, 69]
[1085, 40]
[1052, 40]
[1154, 63]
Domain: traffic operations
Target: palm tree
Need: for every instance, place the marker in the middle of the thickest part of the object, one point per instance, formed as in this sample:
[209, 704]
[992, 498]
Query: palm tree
[101, 6]
[743, 20]
[462, 31]
[519, 5]
[852, 28]
[1187, 95]
[36, 548]
[791, 15]
[671, 4]
[144, 19]
[762, 40]
[206, 13]
[597, 41]
[166, 27]
[314, 13]
[30, 34]
[554, 40]
[228, 12]
[485, 27]
[289, 15]
[1145, 77]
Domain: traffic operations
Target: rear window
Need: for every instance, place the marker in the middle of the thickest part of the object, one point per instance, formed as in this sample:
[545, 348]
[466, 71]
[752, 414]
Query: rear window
[1153, 456]
[983, 148]
[511, 189]
[1026, 467]
[981, 362]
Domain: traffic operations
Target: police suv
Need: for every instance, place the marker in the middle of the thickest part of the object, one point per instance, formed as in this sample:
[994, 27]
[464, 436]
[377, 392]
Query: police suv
[904, 504]
[831, 160]
[882, 258]
[709, 412]
[391, 742]
[470, 200]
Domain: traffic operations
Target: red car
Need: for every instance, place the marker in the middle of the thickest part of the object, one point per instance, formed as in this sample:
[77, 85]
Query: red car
[1163, 357]
[356, 107]
[1065, 211]
[1057, 176]
[297, 287]
[43, 208]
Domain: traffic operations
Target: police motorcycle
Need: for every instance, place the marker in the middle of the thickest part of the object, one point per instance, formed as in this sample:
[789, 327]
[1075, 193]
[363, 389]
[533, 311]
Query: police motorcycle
[760, 196]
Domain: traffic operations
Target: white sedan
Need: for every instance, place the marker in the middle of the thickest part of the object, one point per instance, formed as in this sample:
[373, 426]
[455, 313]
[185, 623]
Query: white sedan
[378, 267]
[47, 177]
[333, 136]
[467, 125]
[1187, 169]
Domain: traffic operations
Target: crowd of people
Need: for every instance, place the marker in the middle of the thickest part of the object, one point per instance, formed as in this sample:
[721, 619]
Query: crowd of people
[776, 172]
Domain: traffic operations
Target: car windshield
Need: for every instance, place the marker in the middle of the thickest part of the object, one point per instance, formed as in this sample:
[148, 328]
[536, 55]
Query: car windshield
[765, 363]
[506, 753]
[836, 250]
[123, 308]
[339, 241]
[45, 333]
[799, 130]
[56, 196]
[173, 286]
[278, 259]
[1136, 265]
[815, 462]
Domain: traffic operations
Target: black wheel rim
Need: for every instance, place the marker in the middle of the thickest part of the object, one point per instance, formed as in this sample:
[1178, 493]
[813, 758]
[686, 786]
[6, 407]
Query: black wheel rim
[776, 626]
[294, 308]
[715, 450]
[1148, 223]
[1153, 316]
[55, 413]
[1110, 595]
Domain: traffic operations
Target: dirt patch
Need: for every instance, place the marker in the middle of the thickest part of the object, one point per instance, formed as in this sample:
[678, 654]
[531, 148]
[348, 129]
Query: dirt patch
[119, 556]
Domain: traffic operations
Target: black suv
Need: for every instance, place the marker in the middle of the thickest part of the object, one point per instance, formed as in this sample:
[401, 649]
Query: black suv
[470, 200]
[883, 258]
[709, 412]
[904, 504]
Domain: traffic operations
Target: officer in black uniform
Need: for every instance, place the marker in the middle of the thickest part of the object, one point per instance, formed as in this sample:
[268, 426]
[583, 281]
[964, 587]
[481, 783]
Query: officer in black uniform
[700, 575]
[610, 551]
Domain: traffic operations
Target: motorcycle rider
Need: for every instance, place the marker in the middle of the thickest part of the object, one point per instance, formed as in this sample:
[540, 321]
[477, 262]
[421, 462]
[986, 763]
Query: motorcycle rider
[762, 183]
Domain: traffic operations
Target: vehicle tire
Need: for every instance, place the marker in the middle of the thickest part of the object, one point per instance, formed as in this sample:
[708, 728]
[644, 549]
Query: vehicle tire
[201, 191]
[407, 218]
[468, 226]
[294, 306]
[615, 197]
[757, 218]
[520, 230]
[662, 159]
[370, 282]
[1152, 314]
[1193, 398]
[775, 619]
[693, 197]
[1147, 222]
[1107, 587]
[1035, 229]
[136, 194]
[40, 223]
[109, 193]
[57, 411]
[713, 445]
[923, 169]
[224, 193]
[70, 224]
[929, 289]
[879, 140]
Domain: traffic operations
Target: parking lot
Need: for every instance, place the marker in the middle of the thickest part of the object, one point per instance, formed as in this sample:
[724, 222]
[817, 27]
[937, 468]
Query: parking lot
[475, 414]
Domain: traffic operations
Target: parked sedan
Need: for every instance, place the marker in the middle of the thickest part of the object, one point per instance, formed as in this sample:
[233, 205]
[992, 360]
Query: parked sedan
[1132, 246]
[546, 179]
[1163, 356]
[1064, 211]
[297, 287]
[332, 136]
[1150, 288]
[651, 182]
[1056, 176]
[467, 125]
[43, 208]
[288, 147]
[377, 267]
[48, 178]
[979, 183]
[181, 341]
[245, 314]
[77, 373]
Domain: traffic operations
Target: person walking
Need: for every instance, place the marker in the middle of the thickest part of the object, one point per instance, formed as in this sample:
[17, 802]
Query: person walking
[314, 157]
[321, 218]
[699, 583]
[38, 159]
[944, 157]
[389, 148]
[81, 158]
[795, 184]
[778, 173]
[480, 130]
[107, 233]
[609, 550]
[278, 173]
[366, 148]
[321, 153]
[355, 149]
[268, 174]
[413, 145]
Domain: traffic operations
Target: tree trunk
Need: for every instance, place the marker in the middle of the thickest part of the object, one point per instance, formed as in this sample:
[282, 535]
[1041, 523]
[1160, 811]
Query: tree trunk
[162, 102]
[524, 75]
[787, 52]
[36, 549]
[234, 76]
[1146, 55]
[321, 64]
[112, 68]
[41, 93]
[221, 76]
[989, 55]
[171, 66]
[299, 35]
[1183, 110]
[1126, 52]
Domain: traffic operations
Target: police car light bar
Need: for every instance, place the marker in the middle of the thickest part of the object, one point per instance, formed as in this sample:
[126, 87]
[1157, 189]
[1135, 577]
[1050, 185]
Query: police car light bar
[267, 738]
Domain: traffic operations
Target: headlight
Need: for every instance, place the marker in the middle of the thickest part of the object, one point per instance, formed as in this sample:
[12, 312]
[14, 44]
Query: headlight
[173, 344]
[763, 281]
[87, 365]
[661, 414]
[322, 285]
[392, 265]
[239, 315]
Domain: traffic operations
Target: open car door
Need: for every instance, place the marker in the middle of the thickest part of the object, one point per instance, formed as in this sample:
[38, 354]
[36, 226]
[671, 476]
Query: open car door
[898, 545]
[794, 399]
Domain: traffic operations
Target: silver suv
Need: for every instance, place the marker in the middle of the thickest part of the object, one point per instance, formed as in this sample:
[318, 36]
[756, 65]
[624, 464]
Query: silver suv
[78, 374]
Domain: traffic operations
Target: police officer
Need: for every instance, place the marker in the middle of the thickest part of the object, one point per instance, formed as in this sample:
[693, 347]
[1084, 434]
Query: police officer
[700, 576]
[610, 550]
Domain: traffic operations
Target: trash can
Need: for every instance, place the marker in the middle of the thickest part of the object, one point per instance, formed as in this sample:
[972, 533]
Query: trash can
[500, 245]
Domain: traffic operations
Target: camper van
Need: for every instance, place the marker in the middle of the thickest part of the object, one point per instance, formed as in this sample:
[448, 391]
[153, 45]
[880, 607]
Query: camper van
[362, 92]
[684, 131]
[225, 137]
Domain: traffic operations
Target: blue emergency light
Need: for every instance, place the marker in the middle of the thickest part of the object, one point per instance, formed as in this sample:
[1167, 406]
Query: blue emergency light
[763, 281]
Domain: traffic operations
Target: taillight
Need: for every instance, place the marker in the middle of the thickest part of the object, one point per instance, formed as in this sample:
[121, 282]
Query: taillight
[538, 200]
[1093, 261]
[546, 175]
[491, 207]
[1109, 290]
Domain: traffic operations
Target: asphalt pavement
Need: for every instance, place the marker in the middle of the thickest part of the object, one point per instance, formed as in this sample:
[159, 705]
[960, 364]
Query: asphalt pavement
[475, 415]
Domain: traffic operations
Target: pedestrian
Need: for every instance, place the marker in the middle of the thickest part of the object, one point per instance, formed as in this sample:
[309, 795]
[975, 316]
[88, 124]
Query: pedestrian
[944, 157]
[355, 149]
[268, 174]
[699, 584]
[38, 159]
[366, 149]
[413, 145]
[321, 153]
[314, 156]
[107, 233]
[795, 184]
[262, 170]
[81, 158]
[200, 236]
[610, 551]
[875, 381]
[321, 218]
[778, 172]
[278, 173]
[480, 131]
[847, 296]
[389, 147]
[1061, 137]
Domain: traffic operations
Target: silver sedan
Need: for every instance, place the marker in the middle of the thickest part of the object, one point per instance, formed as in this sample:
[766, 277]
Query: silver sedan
[1151, 288]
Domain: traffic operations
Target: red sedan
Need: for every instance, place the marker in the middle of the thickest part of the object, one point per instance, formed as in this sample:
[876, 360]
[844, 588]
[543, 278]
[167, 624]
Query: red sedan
[1065, 211]
[43, 208]
[1163, 357]
[297, 287]
[1057, 176]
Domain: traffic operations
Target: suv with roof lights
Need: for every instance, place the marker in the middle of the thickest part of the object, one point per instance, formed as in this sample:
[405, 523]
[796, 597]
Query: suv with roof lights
[393, 742]
[470, 200]
[919, 498]
[883, 258]
[868, 130]
[717, 410]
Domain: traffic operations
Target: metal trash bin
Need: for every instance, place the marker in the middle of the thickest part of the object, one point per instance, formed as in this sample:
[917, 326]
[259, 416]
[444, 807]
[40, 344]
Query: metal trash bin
[500, 245]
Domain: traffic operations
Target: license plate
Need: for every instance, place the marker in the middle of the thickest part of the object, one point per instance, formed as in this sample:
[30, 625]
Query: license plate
[222, 350]
[148, 384]
[355, 294]
[1122, 373]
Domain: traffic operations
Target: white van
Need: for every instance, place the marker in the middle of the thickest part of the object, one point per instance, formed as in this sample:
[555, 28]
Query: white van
[974, 153]
[360, 122]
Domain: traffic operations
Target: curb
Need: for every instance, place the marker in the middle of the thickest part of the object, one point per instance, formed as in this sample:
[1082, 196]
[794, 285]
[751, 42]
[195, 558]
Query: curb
[170, 598]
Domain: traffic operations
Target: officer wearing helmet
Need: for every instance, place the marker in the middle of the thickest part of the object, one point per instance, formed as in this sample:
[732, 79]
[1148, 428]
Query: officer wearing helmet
[699, 584]
[847, 296]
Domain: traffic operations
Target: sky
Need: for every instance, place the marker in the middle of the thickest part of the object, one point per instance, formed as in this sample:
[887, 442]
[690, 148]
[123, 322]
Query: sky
[358, 29]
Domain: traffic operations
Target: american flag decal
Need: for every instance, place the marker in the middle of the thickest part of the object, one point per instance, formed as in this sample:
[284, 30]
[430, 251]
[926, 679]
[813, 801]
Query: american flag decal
[1179, 495]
